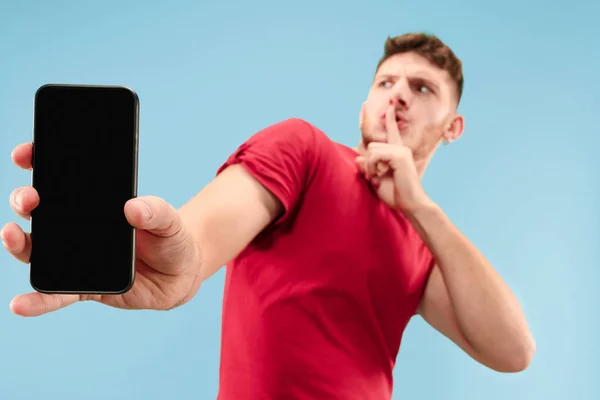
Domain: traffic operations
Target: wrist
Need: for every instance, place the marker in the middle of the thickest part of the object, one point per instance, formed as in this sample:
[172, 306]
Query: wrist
[424, 214]
[420, 206]
[427, 217]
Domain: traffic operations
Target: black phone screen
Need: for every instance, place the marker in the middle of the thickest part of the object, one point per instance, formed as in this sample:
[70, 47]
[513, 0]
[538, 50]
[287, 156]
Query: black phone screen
[85, 143]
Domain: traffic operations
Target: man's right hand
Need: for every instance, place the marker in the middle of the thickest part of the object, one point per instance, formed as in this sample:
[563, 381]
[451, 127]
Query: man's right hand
[167, 264]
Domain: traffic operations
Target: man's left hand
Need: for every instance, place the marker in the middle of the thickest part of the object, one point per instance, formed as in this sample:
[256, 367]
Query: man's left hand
[391, 168]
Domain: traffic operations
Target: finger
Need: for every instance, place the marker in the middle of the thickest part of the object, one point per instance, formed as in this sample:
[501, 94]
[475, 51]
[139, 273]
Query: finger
[154, 215]
[379, 155]
[24, 200]
[381, 169]
[361, 163]
[393, 133]
[16, 242]
[35, 304]
[161, 242]
[22, 155]
[376, 182]
[375, 165]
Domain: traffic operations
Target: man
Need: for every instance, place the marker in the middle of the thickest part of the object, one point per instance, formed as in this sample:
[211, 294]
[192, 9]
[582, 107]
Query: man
[330, 250]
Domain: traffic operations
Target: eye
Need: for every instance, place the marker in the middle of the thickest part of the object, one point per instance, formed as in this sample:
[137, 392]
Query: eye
[424, 89]
[385, 84]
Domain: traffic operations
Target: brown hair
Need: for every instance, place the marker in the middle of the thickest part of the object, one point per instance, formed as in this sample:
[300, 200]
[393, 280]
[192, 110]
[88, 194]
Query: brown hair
[430, 47]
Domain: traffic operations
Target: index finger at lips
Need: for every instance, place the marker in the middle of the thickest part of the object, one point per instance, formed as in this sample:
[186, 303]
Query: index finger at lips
[22, 155]
[393, 133]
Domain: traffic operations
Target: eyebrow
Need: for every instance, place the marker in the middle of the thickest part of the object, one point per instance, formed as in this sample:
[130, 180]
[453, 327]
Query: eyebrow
[381, 76]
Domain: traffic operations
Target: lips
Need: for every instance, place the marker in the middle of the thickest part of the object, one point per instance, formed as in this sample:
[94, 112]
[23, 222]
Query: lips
[401, 121]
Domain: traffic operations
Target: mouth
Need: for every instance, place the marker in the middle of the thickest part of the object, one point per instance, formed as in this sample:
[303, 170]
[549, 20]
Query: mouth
[401, 122]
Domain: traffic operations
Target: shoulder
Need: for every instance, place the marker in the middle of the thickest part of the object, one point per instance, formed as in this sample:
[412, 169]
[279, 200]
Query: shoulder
[290, 147]
[292, 140]
[296, 131]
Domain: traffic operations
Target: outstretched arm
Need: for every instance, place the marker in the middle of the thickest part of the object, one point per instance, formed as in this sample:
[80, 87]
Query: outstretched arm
[226, 215]
[256, 187]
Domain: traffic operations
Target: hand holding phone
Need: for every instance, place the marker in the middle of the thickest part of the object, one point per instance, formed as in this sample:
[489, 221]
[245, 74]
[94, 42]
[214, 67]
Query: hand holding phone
[88, 225]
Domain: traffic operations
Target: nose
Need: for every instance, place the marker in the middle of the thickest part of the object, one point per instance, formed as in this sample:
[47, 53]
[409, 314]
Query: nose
[401, 95]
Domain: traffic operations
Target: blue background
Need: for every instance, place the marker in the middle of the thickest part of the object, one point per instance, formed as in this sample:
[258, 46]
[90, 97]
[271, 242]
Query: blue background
[522, 182]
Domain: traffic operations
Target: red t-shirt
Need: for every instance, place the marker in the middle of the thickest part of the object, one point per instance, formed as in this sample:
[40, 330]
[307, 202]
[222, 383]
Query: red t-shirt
[315, 307]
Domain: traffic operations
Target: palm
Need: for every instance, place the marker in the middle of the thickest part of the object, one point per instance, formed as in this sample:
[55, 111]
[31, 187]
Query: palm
[152, 290]
[164, 275]
[394, 190]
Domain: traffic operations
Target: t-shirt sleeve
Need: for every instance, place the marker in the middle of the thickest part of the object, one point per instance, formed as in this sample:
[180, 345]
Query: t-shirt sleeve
[280, 157]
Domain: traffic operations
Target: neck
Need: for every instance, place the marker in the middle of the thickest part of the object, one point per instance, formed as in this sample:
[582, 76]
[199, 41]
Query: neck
[421, 165]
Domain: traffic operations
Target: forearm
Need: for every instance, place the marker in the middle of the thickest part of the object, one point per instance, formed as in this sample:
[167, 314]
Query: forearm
[486, 310]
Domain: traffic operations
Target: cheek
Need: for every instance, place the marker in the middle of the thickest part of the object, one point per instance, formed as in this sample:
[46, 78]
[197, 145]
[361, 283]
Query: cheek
[432, 118]
[375, 105]
[371, 118]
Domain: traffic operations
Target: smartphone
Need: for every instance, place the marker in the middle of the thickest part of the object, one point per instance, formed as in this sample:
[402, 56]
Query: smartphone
[84, 168]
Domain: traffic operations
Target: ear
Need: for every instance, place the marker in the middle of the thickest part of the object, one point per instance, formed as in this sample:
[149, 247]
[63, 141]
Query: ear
[454, 129]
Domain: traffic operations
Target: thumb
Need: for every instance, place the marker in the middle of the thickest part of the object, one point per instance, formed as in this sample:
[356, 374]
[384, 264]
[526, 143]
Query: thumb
[162, 243]
[153, 214]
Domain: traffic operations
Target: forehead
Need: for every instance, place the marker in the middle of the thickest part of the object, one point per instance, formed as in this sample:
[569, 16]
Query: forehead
[413, 65]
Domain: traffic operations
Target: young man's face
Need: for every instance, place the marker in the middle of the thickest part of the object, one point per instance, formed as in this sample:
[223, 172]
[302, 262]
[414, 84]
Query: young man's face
[425, 100]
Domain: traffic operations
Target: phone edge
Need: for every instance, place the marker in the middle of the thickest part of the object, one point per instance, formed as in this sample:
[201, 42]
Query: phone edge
[132, 274]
